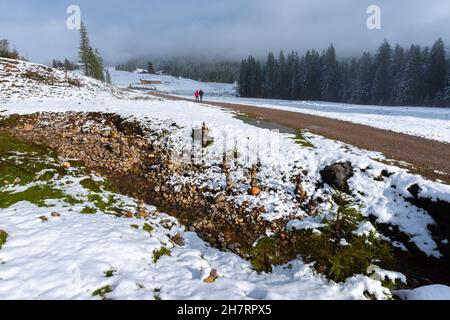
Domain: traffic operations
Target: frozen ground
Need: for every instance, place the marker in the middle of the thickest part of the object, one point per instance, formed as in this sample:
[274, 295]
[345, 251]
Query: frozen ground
[88, 241]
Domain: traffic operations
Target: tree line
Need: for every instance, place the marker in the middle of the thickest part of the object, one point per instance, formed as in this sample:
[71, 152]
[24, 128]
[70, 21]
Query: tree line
[66, 65]
[393, 76]
[196, 68]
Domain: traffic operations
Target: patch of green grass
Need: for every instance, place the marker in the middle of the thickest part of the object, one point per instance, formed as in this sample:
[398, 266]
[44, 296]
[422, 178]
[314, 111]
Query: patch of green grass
[147, 228]
[3, 237]
[35, 194]
[102, 291]
[157, 254]
[302, 140]
[90, 184]
[110, 273]
[264, 255]
[337, 261]
[89, 210]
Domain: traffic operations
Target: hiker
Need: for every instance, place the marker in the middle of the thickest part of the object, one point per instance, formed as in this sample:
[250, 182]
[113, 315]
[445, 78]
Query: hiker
[196, 95]
[201, 93]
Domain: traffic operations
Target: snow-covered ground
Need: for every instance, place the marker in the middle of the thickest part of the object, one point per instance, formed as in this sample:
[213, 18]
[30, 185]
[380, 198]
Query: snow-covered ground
[72, 255]
[39, 258]
[171, 85]
[427, 122]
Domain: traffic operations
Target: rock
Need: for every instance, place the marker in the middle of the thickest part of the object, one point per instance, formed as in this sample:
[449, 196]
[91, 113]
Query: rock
[337, 175]
[114, 134]
[66, 165]
[129, 214]
[55, 214]
[254, 191]
[28, 127]
[178, 239]
[43, 218]
[219, 198]
[143, 213]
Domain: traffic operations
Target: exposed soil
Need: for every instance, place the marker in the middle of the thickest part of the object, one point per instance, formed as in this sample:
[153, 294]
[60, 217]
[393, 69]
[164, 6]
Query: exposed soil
[428, 158]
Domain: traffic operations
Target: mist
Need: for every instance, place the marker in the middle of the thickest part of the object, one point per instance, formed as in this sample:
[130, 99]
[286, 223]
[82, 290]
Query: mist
[230, 29]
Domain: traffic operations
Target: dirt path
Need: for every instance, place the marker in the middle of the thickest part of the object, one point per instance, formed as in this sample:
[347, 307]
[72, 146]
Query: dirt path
[429, 158]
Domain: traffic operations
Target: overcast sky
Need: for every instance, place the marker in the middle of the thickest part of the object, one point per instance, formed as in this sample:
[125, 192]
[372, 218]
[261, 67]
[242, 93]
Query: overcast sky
[227, 28]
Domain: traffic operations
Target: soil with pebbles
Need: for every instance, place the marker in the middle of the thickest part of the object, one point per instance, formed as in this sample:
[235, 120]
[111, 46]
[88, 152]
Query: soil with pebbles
[140, 168]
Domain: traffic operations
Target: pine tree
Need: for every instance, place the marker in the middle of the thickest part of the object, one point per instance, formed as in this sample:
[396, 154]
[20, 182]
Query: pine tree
[329, 75]
[437, 71]
[150, 68]
[107, 76]
[270, 71]
[361, 89]
[396, 70]
[382, 82]
[411, 87]
[91, 59]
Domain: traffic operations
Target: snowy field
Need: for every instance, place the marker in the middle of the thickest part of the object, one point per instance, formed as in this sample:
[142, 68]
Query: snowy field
[67, 257]
[430, 123]
[171, 85]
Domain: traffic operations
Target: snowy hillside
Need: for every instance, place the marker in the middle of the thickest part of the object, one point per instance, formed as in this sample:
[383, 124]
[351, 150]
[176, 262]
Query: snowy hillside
[75, 240]
[23, 80]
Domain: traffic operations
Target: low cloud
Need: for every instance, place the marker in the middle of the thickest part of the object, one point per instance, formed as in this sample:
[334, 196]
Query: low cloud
[227, 28]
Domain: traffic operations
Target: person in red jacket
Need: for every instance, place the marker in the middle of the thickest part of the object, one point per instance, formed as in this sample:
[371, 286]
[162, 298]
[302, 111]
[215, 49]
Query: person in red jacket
[197, 94]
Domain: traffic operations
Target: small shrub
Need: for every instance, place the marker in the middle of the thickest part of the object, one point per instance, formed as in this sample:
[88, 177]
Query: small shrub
[102, 291]
[147, 228]
[74, 82]
[157, 254]
[3, 237]
[264, 255]
[337, 261]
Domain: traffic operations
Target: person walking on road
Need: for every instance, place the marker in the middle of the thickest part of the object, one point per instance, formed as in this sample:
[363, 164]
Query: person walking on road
[197, 94]
[201, 93]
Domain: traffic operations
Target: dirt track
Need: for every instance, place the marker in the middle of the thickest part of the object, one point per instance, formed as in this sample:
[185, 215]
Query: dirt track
[426, 156]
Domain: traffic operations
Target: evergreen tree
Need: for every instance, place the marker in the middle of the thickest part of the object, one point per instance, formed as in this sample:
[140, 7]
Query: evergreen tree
[107, 76]
[361, 89]
[91, 60]
[411, 87]
[382, 82]
[281, 78]
[396, 70]
[270, 73]
[150, 68]
[329, 76]
[437, 70]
